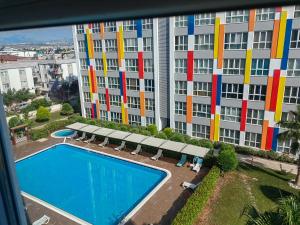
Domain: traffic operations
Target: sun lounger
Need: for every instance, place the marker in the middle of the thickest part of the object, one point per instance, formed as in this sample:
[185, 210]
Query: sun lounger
[74, 135]
[182, 160]
[91, 139]
[158, 155]
[82, 137]
[189, 185]
[137, 150]
[105, 142]
[119, 148]
[43, 220]
[197, 163]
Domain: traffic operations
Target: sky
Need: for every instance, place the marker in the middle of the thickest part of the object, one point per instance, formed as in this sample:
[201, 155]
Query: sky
[39, 35]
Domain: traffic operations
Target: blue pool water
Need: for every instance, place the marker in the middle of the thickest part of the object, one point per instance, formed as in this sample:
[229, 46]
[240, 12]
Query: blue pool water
[93, 187]
[64, 133]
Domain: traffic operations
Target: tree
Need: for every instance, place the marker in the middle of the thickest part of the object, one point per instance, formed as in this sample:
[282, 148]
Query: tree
[153, 129]
[292, 132]
[67, 109]
[43, 114]
[15, 121]
[227, 159]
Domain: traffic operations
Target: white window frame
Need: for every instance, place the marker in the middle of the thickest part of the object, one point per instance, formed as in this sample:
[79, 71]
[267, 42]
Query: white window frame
[131, 65]
[255, 116]
[83, 64]
[103, 115]
[253, 139]
[112, 64]
[181, 66]
[234, 67]
[97, 46]
[297, 11]
[235, 41]
[134, 119]
[205, 19]
[181, 21]
[181, 43]
[98, 64]
[100, 81]
[200, 131]
[96, 27]
[88, 112]
[202, 89]
[256, 92]
[150, 120]
[110, 26]
[180, 87]
[147, 24]
[149, 85]
[147, 44]
[116, 117]
[232, 91]
[203, 66]
[201, 110]
[237, 16]
[150, 104]
[260, 67]
[229, 136]
[129, 25]
[232, 114]
[85, 81]
[265, 14]
[87, 96]
[130, 45]
[115, 100]
[204, 42]
[79, 29]
[111, 45]
[262, 39]
[81, 46]
[113, 83]
[180, 108]
[102, 99]
[293, 69]
[291, 95]
[295, 39]
[180, 127]
[132, 84]
[148, 65]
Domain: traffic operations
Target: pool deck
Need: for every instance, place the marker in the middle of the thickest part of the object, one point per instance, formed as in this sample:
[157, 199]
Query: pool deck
[161, 208]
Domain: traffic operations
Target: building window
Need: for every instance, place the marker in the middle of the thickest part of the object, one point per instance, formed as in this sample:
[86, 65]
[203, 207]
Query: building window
[229, 136]
[98, 64]
[180, 108]
[234, 67]
[103, 115]
[95, 27]
[111, 45]
[202, 89]
[150, 120]
[180, 65]
[87, 96]
[205, 19]
[203, 66]
[230, 114]
[204, 42]
[287, 116]
[180, 127]
[23, 79]
[131, 65]
[236, 40]
[181, 43]
[81, 46]
[293, 68]
[260, 67]
[201, 110]
[133, 84]
[284, 146]
[130, 44]
[110, 27]
[297, 11]
[147, 44]
[88, 112]
[147, 24]
[291, 95]
[237, 16]
[295, 40]
[129, 25]
[148, 65]
[115, 100]
[113, 82]
[255, 116]
[253, 139]
[83, 64]
[97, 46]
[85, 81]
[180, 87]
[134, 120]
[149, 85]
[265, 14]
[149, 104]
[262, 39]
[181, 21]
[201, 131]
[112, 64]
[102, 99]
[133, 102]
[116, 117]
[234, 91]
[100, 82]
[257, 92]
[80, 29]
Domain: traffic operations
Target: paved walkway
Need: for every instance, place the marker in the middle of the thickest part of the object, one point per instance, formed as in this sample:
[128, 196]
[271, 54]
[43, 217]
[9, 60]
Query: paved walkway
[267, 163]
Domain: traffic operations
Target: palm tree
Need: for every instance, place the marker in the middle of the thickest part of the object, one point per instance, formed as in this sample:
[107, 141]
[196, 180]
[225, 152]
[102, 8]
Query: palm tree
[292, 132]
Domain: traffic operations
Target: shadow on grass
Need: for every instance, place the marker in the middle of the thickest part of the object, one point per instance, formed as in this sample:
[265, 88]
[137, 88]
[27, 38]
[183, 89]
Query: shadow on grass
[274, 193]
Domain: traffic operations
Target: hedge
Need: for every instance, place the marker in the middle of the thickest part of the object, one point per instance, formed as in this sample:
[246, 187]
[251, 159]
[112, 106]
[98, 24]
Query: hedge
[197, 202]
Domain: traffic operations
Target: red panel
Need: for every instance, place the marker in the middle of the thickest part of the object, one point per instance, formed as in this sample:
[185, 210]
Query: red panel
[214, 94]
[269, 138]
[93, 112]
[278, 9]
[274, 90]
[107, 100]
[141, 65]
[93, 79]
[190, 65]
[90, 25]
[243, 115]
[124, 87]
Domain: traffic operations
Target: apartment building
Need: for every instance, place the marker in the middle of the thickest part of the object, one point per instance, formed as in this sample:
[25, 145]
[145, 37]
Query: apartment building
[229, 76]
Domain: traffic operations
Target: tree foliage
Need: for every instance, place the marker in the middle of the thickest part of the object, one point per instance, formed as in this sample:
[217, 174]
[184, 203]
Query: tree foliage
[13, 96]
[15, 121]
[43, 114]
[227, 159]
[67, 109]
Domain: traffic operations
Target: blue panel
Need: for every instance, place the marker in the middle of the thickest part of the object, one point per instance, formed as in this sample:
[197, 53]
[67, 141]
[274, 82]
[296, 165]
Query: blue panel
[275, 138]
[121, 83]
[191, 25]
[86, 50]
[95, 110]
[219, 90]
[139, 28]
[286, 46]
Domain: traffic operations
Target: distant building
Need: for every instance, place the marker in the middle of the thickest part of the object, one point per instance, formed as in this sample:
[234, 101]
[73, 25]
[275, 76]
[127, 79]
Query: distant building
[17, 52]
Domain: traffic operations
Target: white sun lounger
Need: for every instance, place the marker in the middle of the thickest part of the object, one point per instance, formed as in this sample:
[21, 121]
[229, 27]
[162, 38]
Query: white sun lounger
[43, 220]
[82, 137]
[105, 142]
[189, 185]
[91, 139]
[158, 155]
[74, 135]
[137, 150]
[119, 148]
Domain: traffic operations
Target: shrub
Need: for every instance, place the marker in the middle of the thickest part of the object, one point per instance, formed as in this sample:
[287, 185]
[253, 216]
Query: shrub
[111, 125]
[161, 135]
[145, 132]
[35, 104]
[66, 109]
[152, 128]
[43, 114]
[210, 159]
[135, 130]
[168, 132]
[15, 121]
[227, 159]
[124, 127]
[194, 141]
[206, 143]
[196, 203]
[177, 137]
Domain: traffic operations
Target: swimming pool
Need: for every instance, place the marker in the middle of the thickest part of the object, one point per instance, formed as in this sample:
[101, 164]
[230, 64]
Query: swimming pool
[63, 133]
[94, 187]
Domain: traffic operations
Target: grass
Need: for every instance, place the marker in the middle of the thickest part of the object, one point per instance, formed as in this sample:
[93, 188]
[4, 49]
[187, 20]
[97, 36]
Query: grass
[247, 185]
[54, 116]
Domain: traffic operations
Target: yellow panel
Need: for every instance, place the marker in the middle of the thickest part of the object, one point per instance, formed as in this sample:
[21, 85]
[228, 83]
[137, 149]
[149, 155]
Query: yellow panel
[121, 43]
[248, 66]
[123, 113]
[281, 34]
[277, 116]
[90, 84]
[216, 41]
[217, 128]
[104, 64]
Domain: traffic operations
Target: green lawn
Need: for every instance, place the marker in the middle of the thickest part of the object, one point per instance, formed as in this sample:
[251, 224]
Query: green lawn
[54, 116]
[265, 186]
